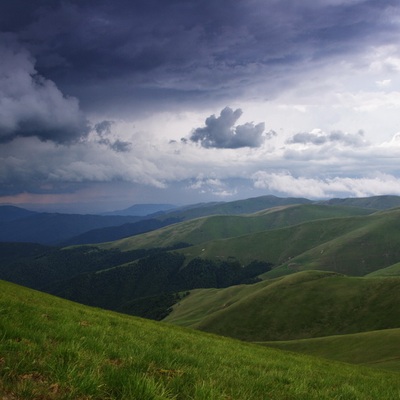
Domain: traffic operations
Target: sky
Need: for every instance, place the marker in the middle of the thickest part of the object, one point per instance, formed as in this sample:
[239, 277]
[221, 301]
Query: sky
[105, 104]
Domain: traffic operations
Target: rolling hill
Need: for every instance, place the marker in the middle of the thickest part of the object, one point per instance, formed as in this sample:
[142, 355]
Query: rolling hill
[19, 225]
[212, 228]
[307, 304]
[54, 349]
[349, 245]
[375, 202]
[383, 348]
[118, 276]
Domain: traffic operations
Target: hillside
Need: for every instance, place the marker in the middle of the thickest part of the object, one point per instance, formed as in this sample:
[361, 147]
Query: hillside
[19, 225]
[54, 349]
[383, 348]
[349, 245]
[303, 305]
[237, 207]
[358, 251]
[374, 202]
[208, 229]
[392, 270]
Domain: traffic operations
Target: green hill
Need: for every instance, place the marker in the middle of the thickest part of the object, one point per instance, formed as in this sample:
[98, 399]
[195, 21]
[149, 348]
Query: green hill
[350, 245]
[375, 202]
[302, 305]
[378, 349]
[357, 250]
[212, 228]
[278, 245]
[245, 206]
[54, 349]
[392, 270]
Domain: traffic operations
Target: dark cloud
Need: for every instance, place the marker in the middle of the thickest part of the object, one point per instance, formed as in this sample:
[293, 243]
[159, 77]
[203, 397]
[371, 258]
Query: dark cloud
[185, 49]
[321, 138]
[104, 127]
[103, 130]
[31, 105]
[221, 131]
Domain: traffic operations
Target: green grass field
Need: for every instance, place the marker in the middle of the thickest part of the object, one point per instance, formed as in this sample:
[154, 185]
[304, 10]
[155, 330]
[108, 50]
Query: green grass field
[55, 349]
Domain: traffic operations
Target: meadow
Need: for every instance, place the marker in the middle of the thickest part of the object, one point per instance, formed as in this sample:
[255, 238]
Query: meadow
[55, 349]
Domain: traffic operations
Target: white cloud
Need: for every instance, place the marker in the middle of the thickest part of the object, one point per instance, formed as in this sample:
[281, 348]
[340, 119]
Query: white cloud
[285, 183]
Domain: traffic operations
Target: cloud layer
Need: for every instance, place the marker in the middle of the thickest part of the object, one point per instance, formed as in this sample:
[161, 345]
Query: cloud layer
[114, 54]
[100, 93]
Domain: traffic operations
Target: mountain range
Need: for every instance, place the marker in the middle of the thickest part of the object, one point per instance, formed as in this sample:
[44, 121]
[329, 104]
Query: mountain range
[20, 225]
[292, 274]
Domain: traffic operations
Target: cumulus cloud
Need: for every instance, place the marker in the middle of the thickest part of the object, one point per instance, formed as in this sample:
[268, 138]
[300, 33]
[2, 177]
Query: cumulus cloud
[211, 185]
[319, 138]
[221, 132]
[30, 104]
[285, 183]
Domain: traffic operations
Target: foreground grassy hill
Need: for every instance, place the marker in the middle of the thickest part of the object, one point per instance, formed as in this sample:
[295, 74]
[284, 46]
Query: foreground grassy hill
[303, 305]
[54, 349]
[379, 349]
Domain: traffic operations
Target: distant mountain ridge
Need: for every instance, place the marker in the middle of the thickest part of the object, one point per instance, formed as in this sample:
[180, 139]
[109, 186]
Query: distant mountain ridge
[12, 213]
[53, 228]
[20, 225]
[142, 210]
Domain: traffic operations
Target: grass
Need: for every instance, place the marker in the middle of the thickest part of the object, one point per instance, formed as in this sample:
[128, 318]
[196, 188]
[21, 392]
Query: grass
[55, 349]
[392, 270]
[359, 251]
[302, 305]
[378, 349]
[217, 227]
[278, 246]
[350, 245]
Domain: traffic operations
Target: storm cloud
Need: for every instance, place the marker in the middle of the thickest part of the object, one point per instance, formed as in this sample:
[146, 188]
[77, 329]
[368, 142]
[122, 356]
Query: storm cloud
[221, 132]
[114, 54]
[31, 105]
[101, 92]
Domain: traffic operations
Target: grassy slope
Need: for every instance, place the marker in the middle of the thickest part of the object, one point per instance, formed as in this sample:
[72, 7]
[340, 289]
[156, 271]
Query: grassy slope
[302, 305]
[54, 349]
[392, 270]
[351, 245]
[359, 251]
[227, 226]
[278, 245]
[378, 349]
[376, 202]
[245, 206]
